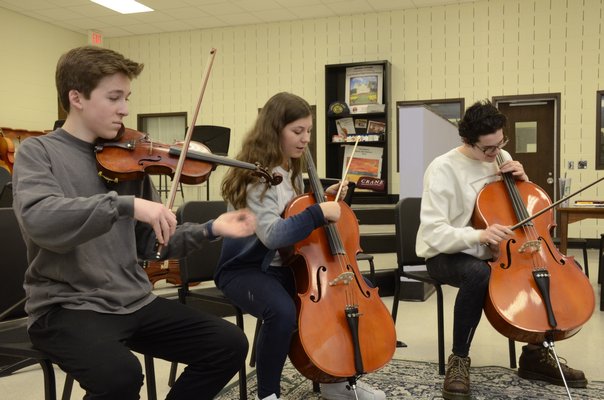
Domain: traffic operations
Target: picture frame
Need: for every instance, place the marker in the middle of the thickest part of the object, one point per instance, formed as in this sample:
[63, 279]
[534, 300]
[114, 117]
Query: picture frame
[364, 85]
[376, 127]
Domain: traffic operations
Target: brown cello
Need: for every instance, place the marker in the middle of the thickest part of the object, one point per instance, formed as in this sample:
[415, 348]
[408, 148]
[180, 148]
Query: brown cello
[536, 294]
[344, 328]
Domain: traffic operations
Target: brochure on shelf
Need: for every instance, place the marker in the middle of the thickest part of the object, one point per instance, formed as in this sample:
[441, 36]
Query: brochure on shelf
[367, 108]
[345, 126]
[366, 161]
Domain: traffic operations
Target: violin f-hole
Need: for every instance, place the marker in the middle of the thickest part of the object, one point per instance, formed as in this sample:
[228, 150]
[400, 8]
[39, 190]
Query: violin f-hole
[142, 161]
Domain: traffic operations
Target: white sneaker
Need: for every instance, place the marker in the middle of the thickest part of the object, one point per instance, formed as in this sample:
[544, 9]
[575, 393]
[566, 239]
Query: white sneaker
[271, 397]
[342, 391]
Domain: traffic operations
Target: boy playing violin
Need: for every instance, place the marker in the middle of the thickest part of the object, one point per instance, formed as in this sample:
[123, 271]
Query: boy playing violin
[457, 254]
[89, 302]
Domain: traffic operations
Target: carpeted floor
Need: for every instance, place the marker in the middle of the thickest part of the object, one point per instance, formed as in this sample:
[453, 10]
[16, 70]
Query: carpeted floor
[402, 379]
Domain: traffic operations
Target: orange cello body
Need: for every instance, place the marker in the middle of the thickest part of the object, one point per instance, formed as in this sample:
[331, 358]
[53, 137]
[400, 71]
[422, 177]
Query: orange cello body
[515, 306]
[323, 348]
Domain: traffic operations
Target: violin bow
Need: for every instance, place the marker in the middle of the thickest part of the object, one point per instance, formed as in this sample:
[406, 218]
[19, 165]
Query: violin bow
[524, 221]
[185, 145]
[347, 168]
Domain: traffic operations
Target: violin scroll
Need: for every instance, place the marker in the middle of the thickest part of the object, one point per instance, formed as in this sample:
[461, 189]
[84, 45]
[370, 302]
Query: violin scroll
[263, 173]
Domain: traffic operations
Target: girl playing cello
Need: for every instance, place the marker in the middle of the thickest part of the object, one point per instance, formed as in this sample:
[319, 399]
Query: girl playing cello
[251, 272]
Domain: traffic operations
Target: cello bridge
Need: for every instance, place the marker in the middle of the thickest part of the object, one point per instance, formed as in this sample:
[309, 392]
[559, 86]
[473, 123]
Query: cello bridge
[344, 278]
[532, 246]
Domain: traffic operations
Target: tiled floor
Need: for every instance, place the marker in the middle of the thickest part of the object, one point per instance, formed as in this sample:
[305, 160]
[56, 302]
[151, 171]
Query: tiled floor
[416, 326]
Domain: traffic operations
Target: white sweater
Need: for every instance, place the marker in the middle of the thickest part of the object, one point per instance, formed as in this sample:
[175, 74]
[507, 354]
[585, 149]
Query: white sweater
[451, 184]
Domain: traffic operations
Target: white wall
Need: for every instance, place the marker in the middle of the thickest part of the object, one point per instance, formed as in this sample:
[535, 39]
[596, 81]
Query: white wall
[29, 50]
[470, 50]
[424, 135]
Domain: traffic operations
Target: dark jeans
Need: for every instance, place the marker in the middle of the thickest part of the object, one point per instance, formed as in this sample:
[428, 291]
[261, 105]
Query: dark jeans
[268, 296]
[471, 276]
[96, 348]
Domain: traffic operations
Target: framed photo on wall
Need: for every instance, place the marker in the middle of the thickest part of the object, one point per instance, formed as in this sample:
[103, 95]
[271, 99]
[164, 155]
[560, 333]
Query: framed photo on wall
[364, 85]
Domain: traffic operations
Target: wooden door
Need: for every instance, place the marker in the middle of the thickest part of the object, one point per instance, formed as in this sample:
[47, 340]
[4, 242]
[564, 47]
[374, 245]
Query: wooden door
[534, 139]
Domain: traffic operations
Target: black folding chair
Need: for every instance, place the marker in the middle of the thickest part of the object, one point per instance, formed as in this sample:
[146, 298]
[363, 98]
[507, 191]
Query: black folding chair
[199, 267]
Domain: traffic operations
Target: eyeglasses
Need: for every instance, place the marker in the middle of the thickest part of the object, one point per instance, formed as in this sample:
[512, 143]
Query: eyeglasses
[490, 150]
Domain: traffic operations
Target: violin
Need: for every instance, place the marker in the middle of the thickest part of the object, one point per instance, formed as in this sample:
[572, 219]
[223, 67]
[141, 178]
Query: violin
[535, 292]
[7, 152]
[133, 154]
[344, 328]
[167, 269]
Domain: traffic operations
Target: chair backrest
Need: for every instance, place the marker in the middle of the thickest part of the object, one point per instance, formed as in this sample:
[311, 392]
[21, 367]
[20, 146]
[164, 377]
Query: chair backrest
[407, 223]
[14, 263]
[216, 138]
[199, 265]
[5, 176]
[6, 195]
[6, 188]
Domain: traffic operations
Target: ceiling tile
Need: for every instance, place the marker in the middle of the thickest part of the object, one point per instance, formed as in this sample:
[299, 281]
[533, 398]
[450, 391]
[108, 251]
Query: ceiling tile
[385, 5]
[275, 15]
[316, 11]
[176, 15]
[241, 19]
[350, 7]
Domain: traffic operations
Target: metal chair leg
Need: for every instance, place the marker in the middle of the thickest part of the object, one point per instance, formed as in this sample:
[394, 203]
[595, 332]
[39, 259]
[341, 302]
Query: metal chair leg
[512, 346]
[441, 329]
[150, 377]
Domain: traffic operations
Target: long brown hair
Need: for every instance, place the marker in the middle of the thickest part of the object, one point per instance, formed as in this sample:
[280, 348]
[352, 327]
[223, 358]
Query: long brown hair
[262, 144]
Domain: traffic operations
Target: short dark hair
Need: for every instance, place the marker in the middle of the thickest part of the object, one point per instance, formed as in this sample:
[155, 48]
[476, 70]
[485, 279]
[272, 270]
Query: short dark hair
[482, 118]
[83, 68]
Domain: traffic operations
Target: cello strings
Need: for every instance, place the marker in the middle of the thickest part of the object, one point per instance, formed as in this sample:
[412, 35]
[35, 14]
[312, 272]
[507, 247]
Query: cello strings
[333, 236]
[520, 209]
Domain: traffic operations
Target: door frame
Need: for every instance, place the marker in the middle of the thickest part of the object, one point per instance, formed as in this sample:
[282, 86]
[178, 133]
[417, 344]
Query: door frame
[529, 98]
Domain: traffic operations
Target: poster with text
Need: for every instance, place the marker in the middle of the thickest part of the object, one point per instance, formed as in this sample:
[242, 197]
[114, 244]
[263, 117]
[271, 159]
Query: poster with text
[366, 161]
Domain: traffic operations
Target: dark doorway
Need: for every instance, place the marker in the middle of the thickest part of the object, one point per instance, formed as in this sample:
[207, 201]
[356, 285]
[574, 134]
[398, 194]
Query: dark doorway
[533, 129]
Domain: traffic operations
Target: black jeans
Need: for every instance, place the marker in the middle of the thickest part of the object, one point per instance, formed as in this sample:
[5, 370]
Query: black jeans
[95, 348]
[471, 276]
[268, 296]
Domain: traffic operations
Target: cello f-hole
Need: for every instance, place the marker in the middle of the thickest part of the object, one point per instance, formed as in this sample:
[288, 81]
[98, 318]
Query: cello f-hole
[367, 294]
[508, 253]
[560, 261]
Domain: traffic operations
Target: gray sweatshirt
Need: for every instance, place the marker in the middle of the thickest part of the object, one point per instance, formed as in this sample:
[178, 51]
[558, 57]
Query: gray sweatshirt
[83, 243]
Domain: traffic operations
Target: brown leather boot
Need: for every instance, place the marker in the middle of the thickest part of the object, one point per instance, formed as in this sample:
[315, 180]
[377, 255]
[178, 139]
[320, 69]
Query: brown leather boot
[457, 378]
[537, 363]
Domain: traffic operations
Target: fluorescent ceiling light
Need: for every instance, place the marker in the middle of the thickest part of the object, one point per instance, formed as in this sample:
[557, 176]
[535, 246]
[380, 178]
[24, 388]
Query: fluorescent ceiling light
[123, 6]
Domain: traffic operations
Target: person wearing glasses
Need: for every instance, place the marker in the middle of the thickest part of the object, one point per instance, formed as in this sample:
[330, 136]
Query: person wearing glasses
[457, 254]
